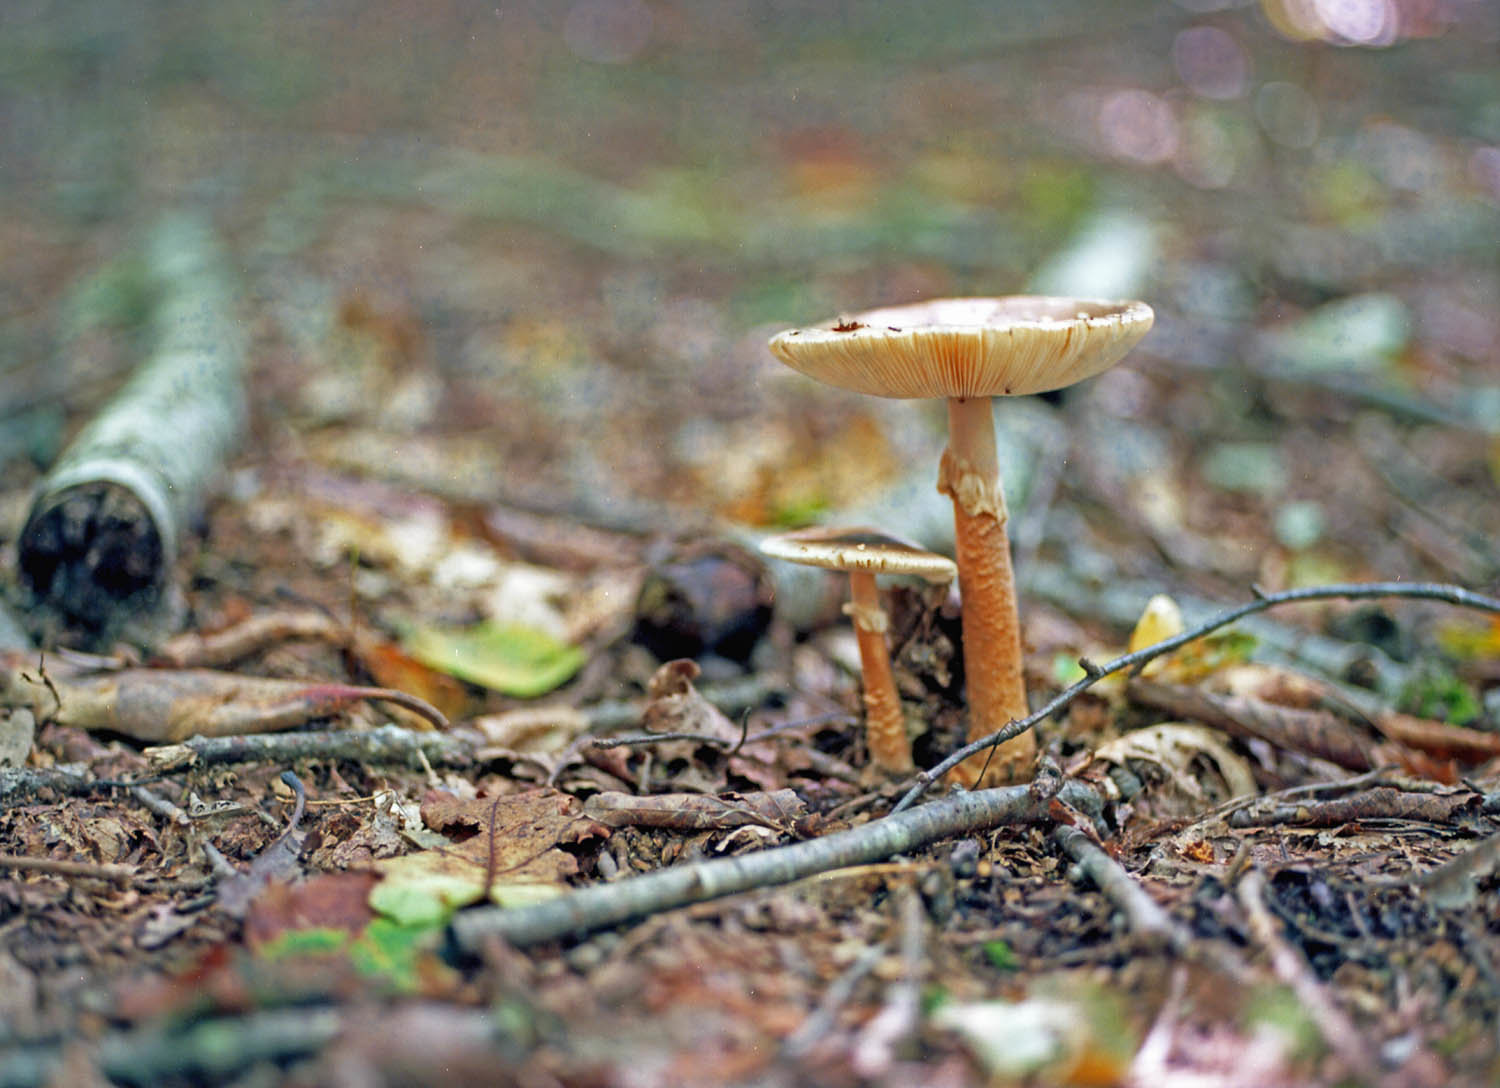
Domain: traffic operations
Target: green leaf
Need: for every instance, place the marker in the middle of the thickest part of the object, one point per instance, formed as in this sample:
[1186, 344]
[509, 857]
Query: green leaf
[391, 951]
[424, 889]
[504, 657]
[1000, 955]
[304, 943]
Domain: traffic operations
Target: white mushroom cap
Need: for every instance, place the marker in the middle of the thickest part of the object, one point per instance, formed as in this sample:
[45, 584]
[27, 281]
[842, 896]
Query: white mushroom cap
[858, 549]
[967, 347]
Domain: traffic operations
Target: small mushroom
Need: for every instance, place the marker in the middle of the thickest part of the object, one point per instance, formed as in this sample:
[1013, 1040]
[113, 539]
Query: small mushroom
[863, 554]
[968, 350]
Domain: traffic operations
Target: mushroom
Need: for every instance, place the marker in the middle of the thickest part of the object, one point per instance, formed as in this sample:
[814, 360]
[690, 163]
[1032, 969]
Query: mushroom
[864, 553]
[968, 350]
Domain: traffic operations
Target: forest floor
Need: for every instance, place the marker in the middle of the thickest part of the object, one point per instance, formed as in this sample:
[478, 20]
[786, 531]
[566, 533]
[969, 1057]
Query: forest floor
[507, 281]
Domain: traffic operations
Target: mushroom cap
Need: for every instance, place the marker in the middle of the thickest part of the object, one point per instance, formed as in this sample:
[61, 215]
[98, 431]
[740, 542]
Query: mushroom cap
[858, 549]
[967, 347]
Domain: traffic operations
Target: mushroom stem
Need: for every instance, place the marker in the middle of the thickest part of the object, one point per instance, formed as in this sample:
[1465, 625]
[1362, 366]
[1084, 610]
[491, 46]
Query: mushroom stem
[970, 476]
[885, 726]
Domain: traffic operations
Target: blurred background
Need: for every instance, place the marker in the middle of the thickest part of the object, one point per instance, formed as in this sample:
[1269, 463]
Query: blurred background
[530, 253]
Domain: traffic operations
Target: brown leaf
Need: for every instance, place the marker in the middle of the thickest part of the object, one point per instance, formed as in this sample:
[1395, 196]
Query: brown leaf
[392, 667]
[327, 900]
[527, 829]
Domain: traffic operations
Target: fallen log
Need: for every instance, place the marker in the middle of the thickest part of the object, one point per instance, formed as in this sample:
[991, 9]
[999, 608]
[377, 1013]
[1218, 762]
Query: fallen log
[99, 543]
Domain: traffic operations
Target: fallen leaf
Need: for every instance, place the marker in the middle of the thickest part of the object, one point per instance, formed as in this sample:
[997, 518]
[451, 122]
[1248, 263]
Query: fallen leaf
[392, 667]
[508, 658]
[522, 853]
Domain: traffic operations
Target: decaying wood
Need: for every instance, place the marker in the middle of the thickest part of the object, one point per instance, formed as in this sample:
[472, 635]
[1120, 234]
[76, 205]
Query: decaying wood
[99, 543]
[1381, 803]
[604, 905]
[1311, 732]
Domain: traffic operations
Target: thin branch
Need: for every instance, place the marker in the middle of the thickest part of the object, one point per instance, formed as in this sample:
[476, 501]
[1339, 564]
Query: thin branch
[63, 867]
[1145, 916]
[387, 744]
[666, 889]
[207, 1050]
[822, 1019]
[19, 784]
[1332, 1023]
[160, 806]
[1454, 595]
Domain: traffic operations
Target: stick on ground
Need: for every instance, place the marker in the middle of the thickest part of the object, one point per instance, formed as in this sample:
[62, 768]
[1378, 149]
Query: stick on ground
[609, 904]
[1455, 595]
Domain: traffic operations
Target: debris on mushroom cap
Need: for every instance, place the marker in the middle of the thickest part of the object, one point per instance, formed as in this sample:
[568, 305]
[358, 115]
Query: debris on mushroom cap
[859, 549]
[967, 347]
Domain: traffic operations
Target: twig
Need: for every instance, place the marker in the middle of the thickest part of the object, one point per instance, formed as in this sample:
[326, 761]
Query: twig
[207, 1051]
[1332, 1023]
[62, 867]
[160, 806]
[1145, 916]
[1379, 803]
[604, 905]
[19, 784]
[875, 1049]
[839, 991]
[387, 744]
[1455, 595]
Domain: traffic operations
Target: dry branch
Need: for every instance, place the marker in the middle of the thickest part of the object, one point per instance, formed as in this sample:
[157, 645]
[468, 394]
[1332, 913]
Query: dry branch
[604, 905]
[387, 744]
[205, 1051]
[1145, 916]
[1381, 803]
[98, 546]
[1455, 595]
[1312, 732]
[1332, 1023]
[20, 784]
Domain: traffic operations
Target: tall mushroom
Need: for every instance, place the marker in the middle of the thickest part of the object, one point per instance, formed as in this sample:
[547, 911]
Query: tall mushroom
[864, 553]
[968, 350]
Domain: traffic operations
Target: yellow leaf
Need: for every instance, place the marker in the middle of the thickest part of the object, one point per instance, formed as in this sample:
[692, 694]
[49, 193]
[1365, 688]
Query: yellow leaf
[1160, 620]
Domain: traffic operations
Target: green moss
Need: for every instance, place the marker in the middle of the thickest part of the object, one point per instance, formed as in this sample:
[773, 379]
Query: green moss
[1435, 691]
